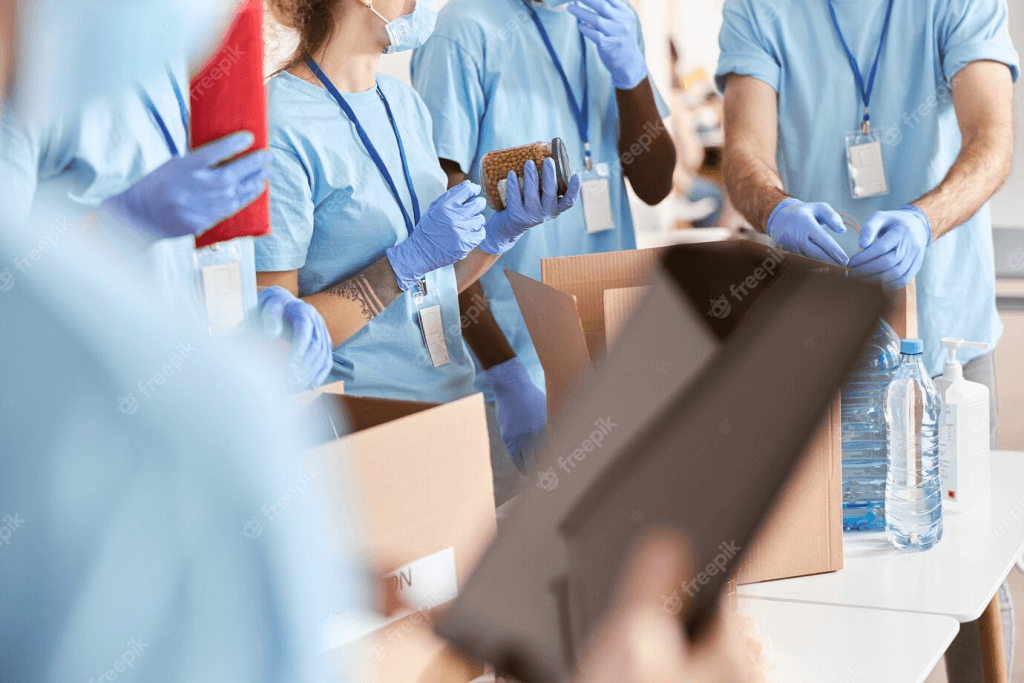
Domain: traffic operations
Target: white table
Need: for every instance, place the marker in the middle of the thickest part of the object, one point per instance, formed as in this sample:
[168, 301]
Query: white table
[956, 578]
[813, 643]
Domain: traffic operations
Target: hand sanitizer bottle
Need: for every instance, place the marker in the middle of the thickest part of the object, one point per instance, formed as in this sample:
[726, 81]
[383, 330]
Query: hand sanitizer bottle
[963, 434]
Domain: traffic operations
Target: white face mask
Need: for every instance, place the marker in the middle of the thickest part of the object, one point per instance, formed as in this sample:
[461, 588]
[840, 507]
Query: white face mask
[410, 31]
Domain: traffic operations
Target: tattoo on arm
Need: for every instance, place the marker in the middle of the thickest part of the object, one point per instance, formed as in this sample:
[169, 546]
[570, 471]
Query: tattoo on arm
[373, 289]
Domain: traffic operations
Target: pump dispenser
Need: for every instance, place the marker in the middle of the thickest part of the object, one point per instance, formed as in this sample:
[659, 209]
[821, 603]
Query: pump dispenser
[963, 433]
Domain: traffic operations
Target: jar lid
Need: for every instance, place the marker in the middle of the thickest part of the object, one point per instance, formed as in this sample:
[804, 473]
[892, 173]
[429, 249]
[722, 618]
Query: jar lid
[563, 170]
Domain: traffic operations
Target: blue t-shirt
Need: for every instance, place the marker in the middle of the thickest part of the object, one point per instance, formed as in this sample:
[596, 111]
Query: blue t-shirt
[332, 215]
[490, 84]
[797, 51]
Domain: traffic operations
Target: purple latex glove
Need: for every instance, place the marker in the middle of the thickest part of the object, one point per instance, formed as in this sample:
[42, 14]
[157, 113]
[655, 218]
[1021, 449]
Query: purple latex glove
[801, 229]
[893, 244]
[522, 410]
[312, 354]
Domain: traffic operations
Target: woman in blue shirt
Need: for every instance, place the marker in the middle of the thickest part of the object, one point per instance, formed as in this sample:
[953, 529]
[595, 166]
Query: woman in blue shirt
[363, 228]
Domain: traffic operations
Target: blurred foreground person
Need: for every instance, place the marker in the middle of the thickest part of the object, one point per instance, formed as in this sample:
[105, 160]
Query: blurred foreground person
[137, 457]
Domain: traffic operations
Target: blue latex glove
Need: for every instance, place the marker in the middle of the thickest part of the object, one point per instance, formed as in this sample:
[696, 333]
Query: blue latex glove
[800, 228]
[893, 244]
[451, 228]
[522, 409]
[612, 27]
[190, 194]
[312, 354]
[524, 210]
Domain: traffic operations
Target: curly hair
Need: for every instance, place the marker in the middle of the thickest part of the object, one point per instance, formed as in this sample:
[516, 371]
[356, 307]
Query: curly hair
[313, 20]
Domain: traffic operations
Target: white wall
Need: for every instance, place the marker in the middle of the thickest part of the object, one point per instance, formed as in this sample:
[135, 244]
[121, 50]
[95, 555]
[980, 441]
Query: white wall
[1007, 207]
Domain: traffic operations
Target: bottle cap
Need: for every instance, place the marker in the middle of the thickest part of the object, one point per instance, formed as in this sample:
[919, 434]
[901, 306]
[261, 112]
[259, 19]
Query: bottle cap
[911, 347]
[563, 168]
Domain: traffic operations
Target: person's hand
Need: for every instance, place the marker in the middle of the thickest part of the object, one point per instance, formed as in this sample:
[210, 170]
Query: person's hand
[190, 194]
[893, 244]
[640, 641]
[451, 228]
[801, 229]
[612, 27]
[522, 409]
[536, 203]
[312, 353]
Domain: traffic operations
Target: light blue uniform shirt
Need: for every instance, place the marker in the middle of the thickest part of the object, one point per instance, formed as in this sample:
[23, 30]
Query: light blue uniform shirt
[107, 146]
[490, 84]
[333, 215]
[794, 48]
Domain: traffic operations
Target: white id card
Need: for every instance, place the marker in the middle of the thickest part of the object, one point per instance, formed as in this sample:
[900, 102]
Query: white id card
[596, 192]
[865, 166]
[433, 335]
[222, 289]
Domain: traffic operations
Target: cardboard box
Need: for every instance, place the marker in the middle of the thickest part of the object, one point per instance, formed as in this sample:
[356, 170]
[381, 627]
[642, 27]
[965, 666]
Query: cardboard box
[585, 301]
[424, 484]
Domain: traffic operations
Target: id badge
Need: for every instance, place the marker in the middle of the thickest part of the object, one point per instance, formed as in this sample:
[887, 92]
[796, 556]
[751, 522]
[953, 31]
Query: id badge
[433, 334]
[864, 165]
[222, 290]
[596, 192]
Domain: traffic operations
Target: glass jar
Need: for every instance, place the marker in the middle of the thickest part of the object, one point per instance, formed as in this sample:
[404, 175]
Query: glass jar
[495, 167]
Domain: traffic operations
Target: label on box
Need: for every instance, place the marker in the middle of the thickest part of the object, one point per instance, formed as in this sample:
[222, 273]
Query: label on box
[949, 457]
[423, 584]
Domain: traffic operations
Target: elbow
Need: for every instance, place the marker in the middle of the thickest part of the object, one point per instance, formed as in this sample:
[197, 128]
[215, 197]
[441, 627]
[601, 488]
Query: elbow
[657, 182]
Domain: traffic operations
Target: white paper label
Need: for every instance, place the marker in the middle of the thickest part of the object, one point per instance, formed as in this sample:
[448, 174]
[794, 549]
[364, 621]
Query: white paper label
[222, 289]
[433, 334]
[424, 584]
[867, 171]
[597, 200]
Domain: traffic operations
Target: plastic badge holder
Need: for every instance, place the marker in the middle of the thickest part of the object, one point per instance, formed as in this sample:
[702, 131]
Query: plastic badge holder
[495, 167]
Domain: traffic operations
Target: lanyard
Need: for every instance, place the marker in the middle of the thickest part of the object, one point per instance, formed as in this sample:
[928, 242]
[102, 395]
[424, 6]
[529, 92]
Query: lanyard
[582, 113]
[371, 150]
[168, 138]
[864, 93]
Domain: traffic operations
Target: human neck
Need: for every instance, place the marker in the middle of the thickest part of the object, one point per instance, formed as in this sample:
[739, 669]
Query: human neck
[351, 57]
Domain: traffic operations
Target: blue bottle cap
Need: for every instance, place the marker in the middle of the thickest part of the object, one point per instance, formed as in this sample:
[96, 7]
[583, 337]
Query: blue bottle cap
[911, 347]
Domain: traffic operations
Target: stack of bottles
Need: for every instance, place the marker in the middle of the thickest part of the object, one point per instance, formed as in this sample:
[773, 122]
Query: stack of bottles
[863, 429]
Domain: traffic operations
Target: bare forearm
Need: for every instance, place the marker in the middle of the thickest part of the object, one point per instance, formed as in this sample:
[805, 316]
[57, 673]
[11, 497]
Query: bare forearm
[480, 329]
[754, 185]
[645, 146]
[351, 304]
[980, 169]
[472, 268]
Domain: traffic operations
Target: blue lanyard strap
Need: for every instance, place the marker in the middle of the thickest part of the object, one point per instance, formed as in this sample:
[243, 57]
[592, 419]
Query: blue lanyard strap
[865, 93]
[582, 113]
[161, 124]
[372, 150]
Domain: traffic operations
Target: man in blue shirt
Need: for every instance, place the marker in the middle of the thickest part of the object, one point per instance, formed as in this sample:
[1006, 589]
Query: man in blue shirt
[506, 73]
[896, 114]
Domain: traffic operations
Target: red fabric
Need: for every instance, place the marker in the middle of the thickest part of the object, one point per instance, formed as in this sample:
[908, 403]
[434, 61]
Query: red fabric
[228, 96]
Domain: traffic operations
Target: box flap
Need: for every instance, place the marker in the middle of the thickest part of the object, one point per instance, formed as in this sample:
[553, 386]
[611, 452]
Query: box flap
[587, 276]
[618, 306]
[554, 323]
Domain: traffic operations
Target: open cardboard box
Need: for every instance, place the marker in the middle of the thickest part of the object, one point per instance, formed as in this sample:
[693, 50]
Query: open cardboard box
[423, 479]
[584, 302]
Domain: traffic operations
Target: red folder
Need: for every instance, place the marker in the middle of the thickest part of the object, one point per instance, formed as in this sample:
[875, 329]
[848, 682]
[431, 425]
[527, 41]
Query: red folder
[228, 96]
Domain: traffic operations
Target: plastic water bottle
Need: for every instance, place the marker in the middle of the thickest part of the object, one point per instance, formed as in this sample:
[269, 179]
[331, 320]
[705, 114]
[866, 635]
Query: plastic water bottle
[864, 447]
[913, 491]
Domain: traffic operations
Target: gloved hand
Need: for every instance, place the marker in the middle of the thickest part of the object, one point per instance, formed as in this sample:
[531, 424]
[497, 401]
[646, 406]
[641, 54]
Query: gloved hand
[190, 194]
[522, 409]
[800, 228]
[504, 228]
[312, 354]
[893, 244]
[612, 27]
[451, 228]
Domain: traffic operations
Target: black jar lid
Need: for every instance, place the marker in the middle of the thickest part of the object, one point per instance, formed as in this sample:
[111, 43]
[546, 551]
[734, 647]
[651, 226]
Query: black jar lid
[563, 170]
